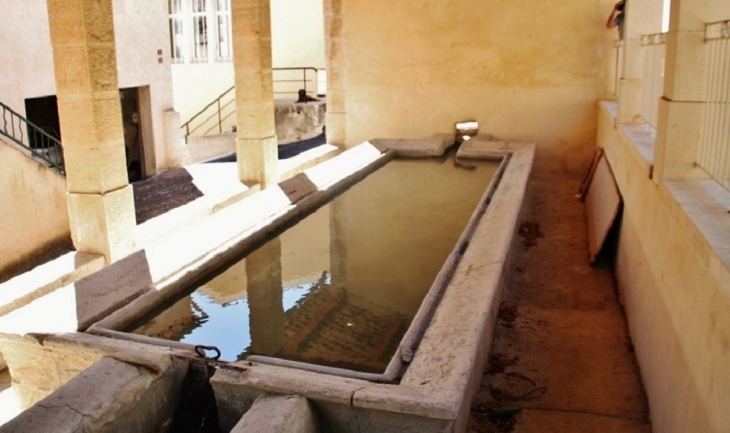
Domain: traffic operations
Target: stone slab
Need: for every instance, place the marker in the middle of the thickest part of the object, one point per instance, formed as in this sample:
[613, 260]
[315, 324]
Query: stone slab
[432, 146]
[298, 187]
[45, 278]
[109, 396]
[272, 414]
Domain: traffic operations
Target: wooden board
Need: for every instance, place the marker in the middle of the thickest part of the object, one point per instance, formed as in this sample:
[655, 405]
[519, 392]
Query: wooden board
[589, 176]
[603, 202]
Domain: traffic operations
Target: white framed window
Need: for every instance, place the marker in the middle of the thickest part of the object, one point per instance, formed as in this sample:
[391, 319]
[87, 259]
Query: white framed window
[177, 36]
[223, 29]
[200, 30]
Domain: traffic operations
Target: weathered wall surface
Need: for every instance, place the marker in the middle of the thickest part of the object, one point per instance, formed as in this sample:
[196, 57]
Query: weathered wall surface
[677, 300]
[26, 61]
[297, 33]
[527, 71]
[34, 199]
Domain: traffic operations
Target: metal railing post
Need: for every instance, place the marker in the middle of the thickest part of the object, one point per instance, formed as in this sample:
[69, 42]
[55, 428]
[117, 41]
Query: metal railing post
[45, 142]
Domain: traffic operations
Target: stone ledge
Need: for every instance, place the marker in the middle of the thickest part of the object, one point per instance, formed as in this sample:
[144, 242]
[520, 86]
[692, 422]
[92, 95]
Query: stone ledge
[108, 396]
[639, 138]
[269, 414]
[46, 278]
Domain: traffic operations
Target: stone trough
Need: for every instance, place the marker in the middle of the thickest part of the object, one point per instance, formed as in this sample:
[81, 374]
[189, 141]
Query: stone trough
[439, 363]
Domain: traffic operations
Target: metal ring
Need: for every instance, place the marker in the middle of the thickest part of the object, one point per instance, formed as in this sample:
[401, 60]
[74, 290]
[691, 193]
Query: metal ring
[200, 351]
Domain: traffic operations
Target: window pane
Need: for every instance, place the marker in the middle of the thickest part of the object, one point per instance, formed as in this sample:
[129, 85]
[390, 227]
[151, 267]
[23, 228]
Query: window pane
[174, 6]
[224, 50]
[200, 37]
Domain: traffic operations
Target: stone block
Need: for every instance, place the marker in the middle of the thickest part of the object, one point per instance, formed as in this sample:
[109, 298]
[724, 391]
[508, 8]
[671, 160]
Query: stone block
[98, 18]
[66, 23]
[71, 68]
[336, 127]
[94, 170]
[102, 68]
[285, 414]
[678, 139]
[629, 100]
[257, 161]
[110, 396]
[298, 187]
[434, 145]
[255, 119]
[103, 223]
[686, 66]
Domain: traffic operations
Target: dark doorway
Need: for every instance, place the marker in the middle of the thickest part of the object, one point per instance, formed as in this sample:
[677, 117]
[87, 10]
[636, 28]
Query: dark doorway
[43, 113]
[132, 133]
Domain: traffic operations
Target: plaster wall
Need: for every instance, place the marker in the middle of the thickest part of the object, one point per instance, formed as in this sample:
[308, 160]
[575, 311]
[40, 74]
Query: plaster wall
[35, 214]
[526, 71]
[140, 27]
[26, 61]
[297, 33]
[140, 30]
[676, 293]
[196, 85]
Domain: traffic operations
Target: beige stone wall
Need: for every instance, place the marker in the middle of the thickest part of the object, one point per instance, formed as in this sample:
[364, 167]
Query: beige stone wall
[527, 71]
[34, 200]
[676, 294]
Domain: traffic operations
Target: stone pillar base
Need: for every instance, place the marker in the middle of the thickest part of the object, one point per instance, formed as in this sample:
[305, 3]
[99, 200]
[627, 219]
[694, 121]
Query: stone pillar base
[336, 131]
[103, 223]
[258, 161]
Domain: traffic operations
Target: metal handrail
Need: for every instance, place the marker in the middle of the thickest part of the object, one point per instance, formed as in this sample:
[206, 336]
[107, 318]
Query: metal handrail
[205, 118]
[33, 138]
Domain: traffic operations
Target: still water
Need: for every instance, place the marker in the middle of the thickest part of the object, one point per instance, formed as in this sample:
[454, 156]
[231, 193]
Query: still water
[342, 286]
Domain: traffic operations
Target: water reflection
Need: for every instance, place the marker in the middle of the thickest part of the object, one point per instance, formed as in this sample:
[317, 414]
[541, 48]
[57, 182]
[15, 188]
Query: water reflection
[341, 287]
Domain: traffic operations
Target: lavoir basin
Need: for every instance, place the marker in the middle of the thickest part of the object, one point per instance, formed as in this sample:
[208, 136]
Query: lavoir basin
[341, 287]
[370, 286]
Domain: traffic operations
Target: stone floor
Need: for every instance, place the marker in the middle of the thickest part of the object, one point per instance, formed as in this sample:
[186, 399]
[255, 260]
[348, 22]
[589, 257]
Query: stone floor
[561, 358]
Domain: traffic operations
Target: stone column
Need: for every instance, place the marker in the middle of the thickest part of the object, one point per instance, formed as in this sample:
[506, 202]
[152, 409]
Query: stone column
[336, 115]
[681, 108]
[100, 199]
[265, 291]
[643, 17]
[256, 144]
[339, 228]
